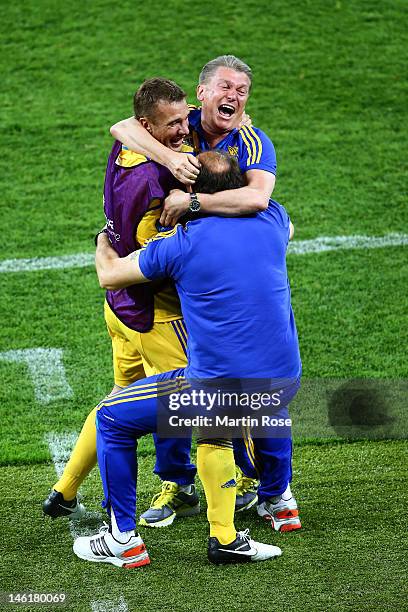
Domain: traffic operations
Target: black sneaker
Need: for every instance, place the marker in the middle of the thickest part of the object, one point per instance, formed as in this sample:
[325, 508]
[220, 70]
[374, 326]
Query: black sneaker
[241, 550]
[56, 506]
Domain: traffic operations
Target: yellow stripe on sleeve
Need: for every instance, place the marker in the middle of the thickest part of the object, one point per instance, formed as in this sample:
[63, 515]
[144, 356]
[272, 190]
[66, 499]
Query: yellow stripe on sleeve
[254, 144]
[255, 135]
[248, 145]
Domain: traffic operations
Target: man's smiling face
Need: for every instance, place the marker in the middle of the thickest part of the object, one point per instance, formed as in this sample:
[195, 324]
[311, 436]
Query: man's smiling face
[168, 123]
[223, 98]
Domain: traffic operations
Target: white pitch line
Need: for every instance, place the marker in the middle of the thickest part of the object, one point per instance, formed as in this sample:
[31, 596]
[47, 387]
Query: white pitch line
[47, 372]
[60, 446]
[81, 260]
[334, 243]
[298, 247]
[110, 606]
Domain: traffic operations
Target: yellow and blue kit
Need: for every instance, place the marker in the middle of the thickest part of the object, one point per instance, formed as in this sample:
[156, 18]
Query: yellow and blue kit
[249, 145]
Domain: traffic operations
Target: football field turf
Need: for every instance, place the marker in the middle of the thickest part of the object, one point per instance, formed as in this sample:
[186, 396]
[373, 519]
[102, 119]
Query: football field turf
[330, 90]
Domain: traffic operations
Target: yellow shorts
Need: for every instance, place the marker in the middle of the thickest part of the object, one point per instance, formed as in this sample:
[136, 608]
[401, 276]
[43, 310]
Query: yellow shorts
[137, 355]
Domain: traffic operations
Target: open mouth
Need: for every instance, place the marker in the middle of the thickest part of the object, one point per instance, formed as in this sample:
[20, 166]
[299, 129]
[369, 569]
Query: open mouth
[178, 142]
[226, 110]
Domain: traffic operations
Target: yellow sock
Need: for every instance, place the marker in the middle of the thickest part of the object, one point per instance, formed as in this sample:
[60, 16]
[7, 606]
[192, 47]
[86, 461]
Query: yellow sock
[82, 460]
[216, 467]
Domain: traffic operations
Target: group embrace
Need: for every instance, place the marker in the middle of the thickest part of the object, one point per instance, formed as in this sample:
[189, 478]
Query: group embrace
[193, 260]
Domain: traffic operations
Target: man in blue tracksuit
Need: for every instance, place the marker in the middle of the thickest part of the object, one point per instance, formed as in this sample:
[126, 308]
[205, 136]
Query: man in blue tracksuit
[235, 299]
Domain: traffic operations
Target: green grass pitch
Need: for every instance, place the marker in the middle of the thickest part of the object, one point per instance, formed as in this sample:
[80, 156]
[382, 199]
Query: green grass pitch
[330, 90]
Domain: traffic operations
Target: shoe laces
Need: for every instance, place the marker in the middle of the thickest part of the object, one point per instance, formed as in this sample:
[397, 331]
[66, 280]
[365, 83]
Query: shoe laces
[245, 484]
[166, 495]
[104, 528]
[244, 535]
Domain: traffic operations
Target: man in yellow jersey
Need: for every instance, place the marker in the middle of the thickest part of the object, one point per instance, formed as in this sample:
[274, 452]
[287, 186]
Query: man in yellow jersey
[145, 322]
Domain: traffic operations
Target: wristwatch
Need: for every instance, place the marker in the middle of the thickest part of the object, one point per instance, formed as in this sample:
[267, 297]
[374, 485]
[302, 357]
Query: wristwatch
[194, 203]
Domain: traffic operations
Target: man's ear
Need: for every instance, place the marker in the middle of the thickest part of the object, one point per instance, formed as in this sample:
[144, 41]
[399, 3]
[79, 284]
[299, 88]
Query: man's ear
[145, 123]
[200, 92]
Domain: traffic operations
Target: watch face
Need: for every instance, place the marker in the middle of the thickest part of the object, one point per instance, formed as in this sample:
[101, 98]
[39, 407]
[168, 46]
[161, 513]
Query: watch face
[194, 205]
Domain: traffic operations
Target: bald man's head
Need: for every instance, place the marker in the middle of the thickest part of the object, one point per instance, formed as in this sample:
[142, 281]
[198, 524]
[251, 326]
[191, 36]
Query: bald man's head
[219, 172]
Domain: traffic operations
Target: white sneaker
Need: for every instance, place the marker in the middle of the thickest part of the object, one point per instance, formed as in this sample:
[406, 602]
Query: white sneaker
[103, 548]
[282, 514]
[241, 550]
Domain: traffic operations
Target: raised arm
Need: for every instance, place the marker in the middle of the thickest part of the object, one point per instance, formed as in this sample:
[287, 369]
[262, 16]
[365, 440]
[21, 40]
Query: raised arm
[252, 198]
[131, 133]
[115, 272]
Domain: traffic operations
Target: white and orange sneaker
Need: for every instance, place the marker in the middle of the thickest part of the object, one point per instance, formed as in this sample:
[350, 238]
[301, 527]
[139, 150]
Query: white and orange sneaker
[103, 548]
[282, 512]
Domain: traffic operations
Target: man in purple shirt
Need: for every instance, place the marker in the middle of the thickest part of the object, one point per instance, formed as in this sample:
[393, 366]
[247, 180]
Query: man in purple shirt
[144, 321]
